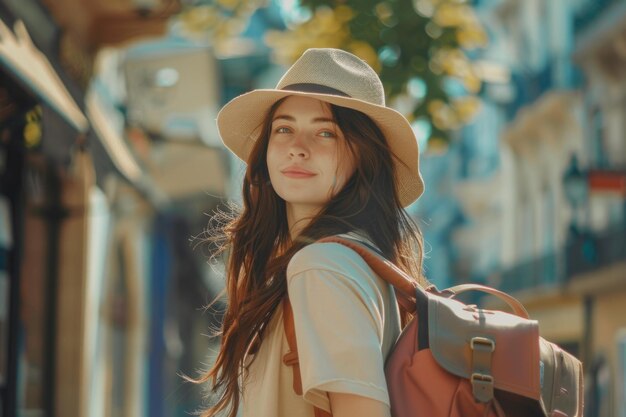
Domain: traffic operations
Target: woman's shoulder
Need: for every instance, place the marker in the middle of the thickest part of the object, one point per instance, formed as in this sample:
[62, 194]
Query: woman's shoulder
[329, 256]
[332, 271]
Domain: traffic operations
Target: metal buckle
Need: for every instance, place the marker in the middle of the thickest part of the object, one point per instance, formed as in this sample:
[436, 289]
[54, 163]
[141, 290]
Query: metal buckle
[481, 378]
[483, 341]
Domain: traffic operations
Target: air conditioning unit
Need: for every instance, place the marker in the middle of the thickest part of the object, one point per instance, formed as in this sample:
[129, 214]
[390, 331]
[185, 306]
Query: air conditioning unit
[173, 90]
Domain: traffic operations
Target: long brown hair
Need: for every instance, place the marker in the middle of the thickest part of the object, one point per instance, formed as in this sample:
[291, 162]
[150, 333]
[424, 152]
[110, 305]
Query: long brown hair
[260, 244]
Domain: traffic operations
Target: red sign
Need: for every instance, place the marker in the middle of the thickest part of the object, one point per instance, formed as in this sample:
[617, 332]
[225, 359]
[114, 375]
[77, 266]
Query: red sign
[608, 181]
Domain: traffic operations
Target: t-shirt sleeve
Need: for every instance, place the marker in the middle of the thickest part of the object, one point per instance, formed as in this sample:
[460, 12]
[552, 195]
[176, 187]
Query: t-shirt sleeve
[338, 315]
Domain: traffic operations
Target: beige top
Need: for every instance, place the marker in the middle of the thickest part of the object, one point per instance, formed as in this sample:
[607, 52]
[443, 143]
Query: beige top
[346, 321]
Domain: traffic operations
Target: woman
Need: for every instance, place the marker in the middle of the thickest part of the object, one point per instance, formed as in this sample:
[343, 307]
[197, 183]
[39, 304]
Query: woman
[324, 157]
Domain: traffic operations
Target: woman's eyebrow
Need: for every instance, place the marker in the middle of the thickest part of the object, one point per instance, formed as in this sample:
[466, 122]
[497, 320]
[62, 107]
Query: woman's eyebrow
[324, 120]
[293, 119]
[284, 117]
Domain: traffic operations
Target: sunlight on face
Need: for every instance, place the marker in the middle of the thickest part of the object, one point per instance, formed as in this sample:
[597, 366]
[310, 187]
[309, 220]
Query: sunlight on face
[307, 155]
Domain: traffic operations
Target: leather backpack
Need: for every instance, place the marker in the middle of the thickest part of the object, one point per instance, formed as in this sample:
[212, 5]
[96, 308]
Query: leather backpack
[458, 360]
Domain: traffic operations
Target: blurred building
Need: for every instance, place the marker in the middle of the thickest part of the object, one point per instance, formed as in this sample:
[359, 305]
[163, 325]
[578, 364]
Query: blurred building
[108, 165]
[531, 197]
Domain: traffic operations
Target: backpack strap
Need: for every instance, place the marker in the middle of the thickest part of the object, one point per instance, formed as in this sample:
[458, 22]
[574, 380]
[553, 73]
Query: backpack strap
[404, 286]
[291, 358]
[517, 307]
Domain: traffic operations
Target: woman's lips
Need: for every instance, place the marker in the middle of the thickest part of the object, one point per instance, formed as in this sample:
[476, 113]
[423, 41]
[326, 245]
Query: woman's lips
[297, 173]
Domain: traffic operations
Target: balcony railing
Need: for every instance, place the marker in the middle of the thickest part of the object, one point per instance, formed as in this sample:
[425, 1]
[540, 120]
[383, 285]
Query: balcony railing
[547, 271]
[584, 253]
[588, 253]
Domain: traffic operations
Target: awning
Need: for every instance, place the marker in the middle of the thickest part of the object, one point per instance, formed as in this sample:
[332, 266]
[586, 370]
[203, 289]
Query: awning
[21, 57]
[108, 127]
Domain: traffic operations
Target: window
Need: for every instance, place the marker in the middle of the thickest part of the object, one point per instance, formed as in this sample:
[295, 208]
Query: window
[598, 138]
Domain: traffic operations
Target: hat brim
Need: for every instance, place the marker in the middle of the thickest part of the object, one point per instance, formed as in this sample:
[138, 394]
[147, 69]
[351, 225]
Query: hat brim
[240, 123]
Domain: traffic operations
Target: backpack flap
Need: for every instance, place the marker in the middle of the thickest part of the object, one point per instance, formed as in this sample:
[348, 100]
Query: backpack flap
[492, 349]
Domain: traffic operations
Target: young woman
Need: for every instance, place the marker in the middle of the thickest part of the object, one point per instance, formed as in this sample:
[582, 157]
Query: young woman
[325, 157]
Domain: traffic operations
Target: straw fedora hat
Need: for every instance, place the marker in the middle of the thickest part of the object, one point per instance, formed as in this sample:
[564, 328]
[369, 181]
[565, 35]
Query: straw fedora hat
[337, 77]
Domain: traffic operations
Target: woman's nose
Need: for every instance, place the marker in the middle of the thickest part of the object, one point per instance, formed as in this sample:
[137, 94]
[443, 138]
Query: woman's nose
[298, 148]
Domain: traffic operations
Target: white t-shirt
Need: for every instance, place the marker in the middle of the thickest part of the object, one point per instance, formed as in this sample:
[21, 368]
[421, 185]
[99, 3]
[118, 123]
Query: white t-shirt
[346, 321]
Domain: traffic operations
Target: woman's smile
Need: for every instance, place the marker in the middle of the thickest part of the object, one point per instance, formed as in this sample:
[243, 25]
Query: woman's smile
[297, 172]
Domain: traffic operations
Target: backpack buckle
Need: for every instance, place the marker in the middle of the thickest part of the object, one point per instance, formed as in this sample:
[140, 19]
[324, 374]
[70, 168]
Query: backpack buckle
[481, 379]
[490, 344]
[482, 387]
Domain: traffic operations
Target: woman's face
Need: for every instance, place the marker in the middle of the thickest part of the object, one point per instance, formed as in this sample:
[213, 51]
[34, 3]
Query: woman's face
[307, 155]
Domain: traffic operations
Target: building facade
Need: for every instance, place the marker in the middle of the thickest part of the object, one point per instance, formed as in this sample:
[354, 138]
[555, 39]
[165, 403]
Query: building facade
[93, 278]
[536, 184]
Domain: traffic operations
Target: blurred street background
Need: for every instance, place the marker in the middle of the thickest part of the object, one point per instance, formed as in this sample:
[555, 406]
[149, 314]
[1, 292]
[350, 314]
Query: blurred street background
[110, 166]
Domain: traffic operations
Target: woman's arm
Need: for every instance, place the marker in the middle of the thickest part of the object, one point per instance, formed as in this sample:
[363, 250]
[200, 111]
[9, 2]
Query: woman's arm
[349, 405]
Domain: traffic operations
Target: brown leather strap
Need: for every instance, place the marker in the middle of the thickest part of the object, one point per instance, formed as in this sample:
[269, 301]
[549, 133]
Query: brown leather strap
[321, 413]
[515, 305]
[291, 357]
[404, 287]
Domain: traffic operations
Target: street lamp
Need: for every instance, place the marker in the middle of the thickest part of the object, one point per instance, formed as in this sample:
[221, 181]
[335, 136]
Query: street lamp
[576, 185]
[582, 249]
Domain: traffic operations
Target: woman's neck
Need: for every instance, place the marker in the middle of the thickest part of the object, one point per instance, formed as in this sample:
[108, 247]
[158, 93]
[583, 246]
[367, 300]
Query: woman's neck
[299, 217]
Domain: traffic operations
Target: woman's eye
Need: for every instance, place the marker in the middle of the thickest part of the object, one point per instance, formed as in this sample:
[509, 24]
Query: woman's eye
[327, 134]
[282, 130]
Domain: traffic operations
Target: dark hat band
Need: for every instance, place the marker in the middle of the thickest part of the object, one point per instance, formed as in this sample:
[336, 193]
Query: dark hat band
[314, 88]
